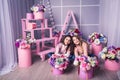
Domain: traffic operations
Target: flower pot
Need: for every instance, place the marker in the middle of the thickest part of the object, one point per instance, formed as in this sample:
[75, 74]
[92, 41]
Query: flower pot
[96, 48]
[85, 75]
[24, 57]
[57, 71]
[38, 15]
[112, 65]
[29, 15]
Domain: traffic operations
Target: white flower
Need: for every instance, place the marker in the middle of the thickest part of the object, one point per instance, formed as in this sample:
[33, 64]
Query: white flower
[105, 40]
[18, 40]
[103, 56]
[97, 41]
[104, 50]
[36, 9]
[31, 40]
[118, 54]
[56, 66]
[101, 35]
[89, 36]
[67, 55]
[75, 63]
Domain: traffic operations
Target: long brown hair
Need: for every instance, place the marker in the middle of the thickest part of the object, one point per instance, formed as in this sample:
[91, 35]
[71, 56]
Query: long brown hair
[71, 42]
[79, 38]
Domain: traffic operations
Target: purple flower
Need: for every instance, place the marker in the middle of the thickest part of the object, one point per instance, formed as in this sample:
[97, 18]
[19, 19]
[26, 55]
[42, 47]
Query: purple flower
[17, 44]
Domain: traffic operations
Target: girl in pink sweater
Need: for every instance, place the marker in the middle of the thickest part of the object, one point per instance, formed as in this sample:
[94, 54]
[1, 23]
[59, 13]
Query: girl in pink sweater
[64, 47]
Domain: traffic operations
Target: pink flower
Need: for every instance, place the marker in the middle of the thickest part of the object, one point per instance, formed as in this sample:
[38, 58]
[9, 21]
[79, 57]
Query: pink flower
[81, 59]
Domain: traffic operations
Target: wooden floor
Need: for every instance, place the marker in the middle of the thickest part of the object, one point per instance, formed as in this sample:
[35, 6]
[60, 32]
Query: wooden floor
[41, 70]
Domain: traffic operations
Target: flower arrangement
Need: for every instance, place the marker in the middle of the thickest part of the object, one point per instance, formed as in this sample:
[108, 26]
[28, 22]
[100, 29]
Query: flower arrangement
[111, 53]
[86, 63]
[24, 43]
[97, 38]
[56, 33]
[59, 61]
[73, 32]
[38, 7]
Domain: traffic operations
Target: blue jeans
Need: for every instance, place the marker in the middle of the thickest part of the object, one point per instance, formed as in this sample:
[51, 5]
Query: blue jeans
[71, 57]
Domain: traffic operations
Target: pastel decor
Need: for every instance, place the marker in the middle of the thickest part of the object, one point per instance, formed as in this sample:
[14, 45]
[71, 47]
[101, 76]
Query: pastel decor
[38, 15]
[29, 15]
[112, 65]
[24, 57]
[57, 71]
[96, 48]
[85, 75]
[31, 26]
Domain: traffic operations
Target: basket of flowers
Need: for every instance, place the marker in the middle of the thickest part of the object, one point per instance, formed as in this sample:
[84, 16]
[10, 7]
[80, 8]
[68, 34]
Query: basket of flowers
[38, 11]
[97, 40]
[111, 56]
[24, 52]
[59, 63]
[85, 66]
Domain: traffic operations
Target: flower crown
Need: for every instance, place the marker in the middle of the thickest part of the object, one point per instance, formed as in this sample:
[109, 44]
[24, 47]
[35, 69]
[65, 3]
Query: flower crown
[111, 53]
[74, 32]
[97, 38]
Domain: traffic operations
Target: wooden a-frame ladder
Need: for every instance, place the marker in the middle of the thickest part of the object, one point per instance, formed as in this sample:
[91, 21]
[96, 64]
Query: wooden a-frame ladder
[70, 15]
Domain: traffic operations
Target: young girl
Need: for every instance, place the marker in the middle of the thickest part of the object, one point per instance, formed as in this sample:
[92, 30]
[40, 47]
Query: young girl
[64, 47]
[80, 46]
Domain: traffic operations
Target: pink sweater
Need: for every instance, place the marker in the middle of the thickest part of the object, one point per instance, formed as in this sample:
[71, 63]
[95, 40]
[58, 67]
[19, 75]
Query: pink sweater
[61, 49]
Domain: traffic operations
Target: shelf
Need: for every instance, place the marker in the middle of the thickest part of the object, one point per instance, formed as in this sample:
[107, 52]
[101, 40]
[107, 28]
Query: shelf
[41, 47]
[32, 19]
[46, 51]
[37, 29]
[45, 39]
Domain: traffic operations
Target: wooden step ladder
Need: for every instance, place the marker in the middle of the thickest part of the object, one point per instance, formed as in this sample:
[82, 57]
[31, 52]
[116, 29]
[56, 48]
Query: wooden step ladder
[70, 15]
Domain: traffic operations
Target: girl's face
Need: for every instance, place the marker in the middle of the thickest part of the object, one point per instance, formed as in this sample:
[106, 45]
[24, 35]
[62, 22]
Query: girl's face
[76, 41]
[67, 40]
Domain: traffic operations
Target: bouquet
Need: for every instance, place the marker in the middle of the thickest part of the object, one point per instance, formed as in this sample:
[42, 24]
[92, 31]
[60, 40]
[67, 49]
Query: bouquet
[38, 7]
[59, 61]
[86, 63]
[97, 38]
[73, 32]
[111, 53]
[24, 43]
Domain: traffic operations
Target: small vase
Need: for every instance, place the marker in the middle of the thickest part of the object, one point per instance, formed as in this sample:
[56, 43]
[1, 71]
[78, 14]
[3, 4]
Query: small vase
[96, 48]
[112, 65]
[29, 15]
[24, 57]
[38, 15]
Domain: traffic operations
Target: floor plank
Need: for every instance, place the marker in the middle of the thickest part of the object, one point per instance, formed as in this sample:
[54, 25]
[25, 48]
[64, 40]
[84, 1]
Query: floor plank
[41, 70]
